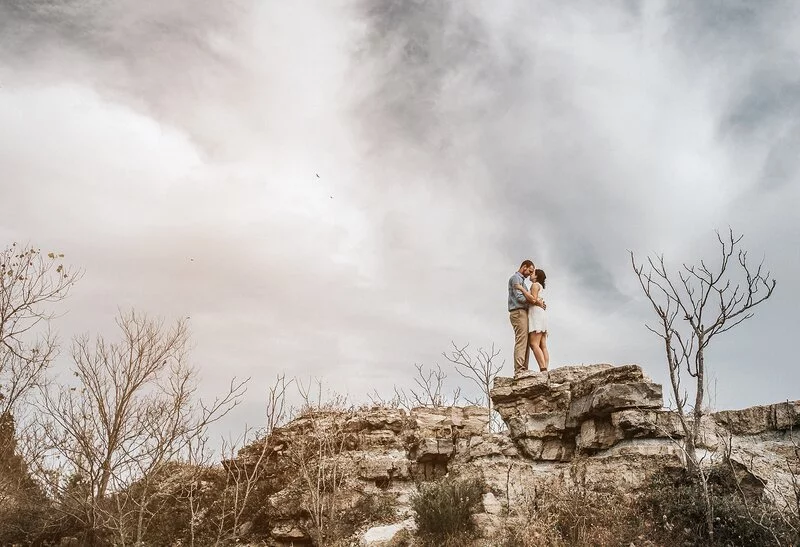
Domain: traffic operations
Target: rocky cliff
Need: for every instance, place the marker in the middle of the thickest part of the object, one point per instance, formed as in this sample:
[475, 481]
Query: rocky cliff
[608, 423]
[597, 426]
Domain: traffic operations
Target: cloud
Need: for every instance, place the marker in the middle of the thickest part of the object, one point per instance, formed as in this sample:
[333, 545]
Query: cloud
[172, 149]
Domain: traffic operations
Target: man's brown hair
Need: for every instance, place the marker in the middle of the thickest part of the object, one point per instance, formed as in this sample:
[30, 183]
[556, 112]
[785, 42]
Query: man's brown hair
[526, 264]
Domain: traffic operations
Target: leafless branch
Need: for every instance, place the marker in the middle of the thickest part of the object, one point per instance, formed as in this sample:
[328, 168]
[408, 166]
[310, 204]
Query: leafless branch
[703, 302]
[480, 368]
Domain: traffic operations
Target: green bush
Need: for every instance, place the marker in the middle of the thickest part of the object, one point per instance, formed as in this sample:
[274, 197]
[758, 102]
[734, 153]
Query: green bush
[444, 508]
[675, 505]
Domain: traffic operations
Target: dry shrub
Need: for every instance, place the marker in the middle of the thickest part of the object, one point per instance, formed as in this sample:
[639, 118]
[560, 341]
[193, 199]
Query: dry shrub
[358, 512]
[444, 510]
[673, 503]
[669, 511]
[560, 515]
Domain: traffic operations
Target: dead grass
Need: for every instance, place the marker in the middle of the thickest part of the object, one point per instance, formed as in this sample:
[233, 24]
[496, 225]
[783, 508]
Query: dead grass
[570, 516]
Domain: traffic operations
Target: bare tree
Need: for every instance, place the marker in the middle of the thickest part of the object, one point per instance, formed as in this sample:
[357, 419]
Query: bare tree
[316, 455]
[481, 369]
[429, 391]
[247, 460]
[694, 306]
[133, 409]
[198, 461]
[759, 513]
[30, 283]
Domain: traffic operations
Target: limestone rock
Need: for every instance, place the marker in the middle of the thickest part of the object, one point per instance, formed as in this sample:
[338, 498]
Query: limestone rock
[597, 426]
[553, 449]
[598, 434]
[381, 536]
[605, 399]
[647, 423]
[381, 418]
[758, 419]
[627, 465]
[391, 465]
[538, 425]
[466, 421]
[490, 445]
[491, 505]
[551, 414]
[433, 448]
[534, 384]
[289, 532]
[624, 374]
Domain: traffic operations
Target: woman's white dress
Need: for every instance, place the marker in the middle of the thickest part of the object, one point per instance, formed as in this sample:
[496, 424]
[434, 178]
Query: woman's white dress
[537, 316]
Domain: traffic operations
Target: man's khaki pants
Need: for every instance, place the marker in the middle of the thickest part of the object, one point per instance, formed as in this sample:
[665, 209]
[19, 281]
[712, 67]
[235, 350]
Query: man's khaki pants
[519, 320]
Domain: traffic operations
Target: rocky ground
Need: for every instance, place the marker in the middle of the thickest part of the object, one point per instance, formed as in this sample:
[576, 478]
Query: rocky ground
[599, 426]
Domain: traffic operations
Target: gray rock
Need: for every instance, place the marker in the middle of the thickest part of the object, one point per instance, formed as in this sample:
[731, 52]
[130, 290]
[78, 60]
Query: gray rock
[491, 505]
[597, 426]
[604, 400]
[288, 532]
[434, 448]
[392, 465]
[647, 423]
[381, 536]
[758, 419]
[598, 434]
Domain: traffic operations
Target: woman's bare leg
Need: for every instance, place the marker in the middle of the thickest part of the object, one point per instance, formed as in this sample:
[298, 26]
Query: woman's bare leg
[536, 340]
[543, 347]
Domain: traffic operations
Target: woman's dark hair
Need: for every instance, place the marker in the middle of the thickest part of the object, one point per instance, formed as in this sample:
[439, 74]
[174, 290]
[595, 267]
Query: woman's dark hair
[540, 277]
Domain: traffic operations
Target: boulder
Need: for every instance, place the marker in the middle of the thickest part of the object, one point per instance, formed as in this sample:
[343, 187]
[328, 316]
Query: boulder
[382, 536]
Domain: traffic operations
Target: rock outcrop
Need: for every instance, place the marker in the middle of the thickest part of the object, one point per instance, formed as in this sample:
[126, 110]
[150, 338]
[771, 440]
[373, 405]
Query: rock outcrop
[551, 415]
[598, 426]
[609, 424]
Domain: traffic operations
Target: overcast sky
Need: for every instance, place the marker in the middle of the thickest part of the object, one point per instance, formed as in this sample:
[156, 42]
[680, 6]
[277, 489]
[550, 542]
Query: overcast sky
[171, 148]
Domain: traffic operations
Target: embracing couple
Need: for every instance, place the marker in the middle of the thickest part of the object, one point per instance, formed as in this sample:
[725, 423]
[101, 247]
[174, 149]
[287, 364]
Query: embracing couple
[526, 308]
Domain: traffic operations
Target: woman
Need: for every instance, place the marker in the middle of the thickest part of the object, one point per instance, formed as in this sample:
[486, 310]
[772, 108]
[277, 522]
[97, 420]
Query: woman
[537, 319]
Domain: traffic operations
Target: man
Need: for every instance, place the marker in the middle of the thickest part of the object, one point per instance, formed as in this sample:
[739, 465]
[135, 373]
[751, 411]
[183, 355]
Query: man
[518, 313]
